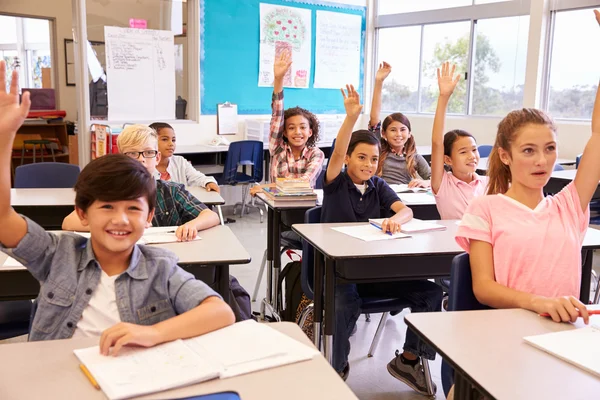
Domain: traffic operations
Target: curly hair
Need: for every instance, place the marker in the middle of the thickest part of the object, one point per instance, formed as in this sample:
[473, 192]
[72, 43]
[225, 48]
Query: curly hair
[313, 123]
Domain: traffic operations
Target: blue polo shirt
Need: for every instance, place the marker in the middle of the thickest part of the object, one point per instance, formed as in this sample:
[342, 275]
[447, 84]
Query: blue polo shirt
[343, 202]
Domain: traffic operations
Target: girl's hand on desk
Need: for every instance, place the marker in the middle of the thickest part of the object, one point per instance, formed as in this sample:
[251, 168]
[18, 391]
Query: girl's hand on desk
[125, 333]
[254, 190]
[391, 226]
[186, 232]
[213, 187]
[561, 309]
[420, 183]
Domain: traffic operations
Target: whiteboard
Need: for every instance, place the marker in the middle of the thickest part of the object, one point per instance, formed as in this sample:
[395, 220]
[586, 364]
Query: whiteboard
[140, 68]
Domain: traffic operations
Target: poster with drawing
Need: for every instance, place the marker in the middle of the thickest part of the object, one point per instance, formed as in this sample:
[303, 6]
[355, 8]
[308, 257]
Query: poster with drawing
[285, 29]
[337, 53]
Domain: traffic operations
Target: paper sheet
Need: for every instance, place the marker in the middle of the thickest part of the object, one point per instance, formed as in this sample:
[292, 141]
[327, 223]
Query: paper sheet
[227, 119]
[414, 225]
[403, 188]
[152, 235]
[337, 53]
[285, 28]
[368, 233]
[417, 198]
[140, 68]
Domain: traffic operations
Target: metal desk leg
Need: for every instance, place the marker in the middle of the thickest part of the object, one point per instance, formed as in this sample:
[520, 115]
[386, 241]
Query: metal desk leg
[223, 279]
[587, 257]
[462, 388]
[220, 215]
[276, 260]
[329, 308]
[318, 299]
[267, 301]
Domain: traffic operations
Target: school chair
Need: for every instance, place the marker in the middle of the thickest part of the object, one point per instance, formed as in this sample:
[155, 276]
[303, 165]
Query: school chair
[244, 153]
[594, 204]
[461, 298]
[46, 175]
[484, 150]
[15, 318]
[370, 305]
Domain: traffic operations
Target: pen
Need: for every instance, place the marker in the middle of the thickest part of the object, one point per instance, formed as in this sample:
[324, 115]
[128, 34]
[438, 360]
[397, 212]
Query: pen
[86, 372]
[378, 227]
[590, 312]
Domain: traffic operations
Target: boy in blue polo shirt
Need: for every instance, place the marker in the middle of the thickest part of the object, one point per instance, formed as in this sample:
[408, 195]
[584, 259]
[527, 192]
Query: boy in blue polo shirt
[355, 195]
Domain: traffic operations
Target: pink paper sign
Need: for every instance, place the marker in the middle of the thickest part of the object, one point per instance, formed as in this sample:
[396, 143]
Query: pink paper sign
[138, 23]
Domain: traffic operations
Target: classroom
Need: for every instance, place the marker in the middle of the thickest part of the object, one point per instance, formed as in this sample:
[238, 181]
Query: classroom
[327, 199]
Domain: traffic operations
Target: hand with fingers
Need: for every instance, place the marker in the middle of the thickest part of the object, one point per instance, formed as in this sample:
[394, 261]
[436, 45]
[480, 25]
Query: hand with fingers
[446, 80]
[213, 187]
[352, 102]
[282, 64]
[186, 232]
[419, 183]
[123, 334]
[561, 309]
[12, 114]
[383, 72]
[391, 226]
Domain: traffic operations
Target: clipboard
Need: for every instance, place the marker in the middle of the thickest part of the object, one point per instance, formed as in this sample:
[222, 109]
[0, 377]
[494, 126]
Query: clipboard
[227, 119]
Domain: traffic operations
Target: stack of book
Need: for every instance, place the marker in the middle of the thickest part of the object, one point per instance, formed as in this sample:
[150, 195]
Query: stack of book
[287, 190]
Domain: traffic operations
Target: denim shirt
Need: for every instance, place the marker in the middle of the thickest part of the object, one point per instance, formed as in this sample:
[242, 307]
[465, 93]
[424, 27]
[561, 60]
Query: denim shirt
[151, 290]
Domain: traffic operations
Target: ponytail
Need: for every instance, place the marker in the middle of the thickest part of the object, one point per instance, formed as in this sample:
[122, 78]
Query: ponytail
[498, 173]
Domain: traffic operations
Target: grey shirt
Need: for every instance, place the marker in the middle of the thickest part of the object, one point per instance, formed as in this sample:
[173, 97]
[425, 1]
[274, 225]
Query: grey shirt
[151, 290]
[394, 169]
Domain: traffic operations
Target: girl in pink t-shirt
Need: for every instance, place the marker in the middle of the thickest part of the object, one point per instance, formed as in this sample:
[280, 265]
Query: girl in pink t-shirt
[457, 149]
[525, 249]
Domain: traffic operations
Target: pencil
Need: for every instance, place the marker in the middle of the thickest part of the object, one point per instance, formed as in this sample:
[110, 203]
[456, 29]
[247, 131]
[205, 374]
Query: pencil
[86, 372]
[590, 312]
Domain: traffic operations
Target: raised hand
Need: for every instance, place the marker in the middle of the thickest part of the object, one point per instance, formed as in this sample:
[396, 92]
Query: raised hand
[281, 65]
[352, 101]
[12, 114]
[446, 79]
[383, 72]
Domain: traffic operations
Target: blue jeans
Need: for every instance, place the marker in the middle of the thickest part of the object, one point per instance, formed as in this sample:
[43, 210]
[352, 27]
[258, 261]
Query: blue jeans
[419, 296]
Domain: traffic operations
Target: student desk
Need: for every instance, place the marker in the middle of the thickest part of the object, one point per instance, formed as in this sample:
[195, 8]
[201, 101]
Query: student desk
[487, 350]
[219, 248]
[57, 375]
[483, 164]
[421, 209]
[560, 179]
[47, 207]
[422, 256]
[425, 151]
[211, 198]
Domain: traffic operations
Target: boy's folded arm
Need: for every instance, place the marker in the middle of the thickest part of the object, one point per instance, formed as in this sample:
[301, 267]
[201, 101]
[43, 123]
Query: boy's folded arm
[206, 219]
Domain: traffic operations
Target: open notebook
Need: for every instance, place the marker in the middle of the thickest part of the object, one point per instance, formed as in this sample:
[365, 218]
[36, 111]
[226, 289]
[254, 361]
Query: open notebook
[413, 226]
[236, 350]
[576, 346]
[403, 188]
[153, 235]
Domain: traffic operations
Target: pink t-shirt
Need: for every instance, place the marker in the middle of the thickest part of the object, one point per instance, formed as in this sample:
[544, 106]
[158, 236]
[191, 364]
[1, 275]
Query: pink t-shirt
[454, 195]
[535, 251]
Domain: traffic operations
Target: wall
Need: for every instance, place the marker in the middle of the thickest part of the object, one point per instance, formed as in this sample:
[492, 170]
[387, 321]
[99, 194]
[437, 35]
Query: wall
[60, 10]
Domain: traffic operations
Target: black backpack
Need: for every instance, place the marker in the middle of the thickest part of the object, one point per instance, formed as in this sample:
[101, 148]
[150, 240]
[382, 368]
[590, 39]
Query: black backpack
[290, 282]
[239, 300]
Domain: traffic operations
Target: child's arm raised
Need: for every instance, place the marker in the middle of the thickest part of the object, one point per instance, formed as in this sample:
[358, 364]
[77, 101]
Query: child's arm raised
[353, 109]
[446, 82]
[280, 67]
[12, 115]
[491, 293]
[382, 73]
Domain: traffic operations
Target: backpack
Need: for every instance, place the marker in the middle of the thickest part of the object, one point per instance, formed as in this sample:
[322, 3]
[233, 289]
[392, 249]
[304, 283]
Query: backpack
[290, 285]
[239, 300]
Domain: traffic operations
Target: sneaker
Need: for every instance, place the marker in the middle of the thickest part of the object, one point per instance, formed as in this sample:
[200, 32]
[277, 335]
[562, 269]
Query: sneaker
[345, 372]
[413, 376]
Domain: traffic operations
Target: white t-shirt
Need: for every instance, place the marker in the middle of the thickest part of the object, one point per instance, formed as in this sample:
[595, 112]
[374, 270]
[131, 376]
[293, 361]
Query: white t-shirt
[101, 312]
[362, 187]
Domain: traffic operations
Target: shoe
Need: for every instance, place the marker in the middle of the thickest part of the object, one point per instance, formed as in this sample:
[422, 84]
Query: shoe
[413, 376]
[345, 372]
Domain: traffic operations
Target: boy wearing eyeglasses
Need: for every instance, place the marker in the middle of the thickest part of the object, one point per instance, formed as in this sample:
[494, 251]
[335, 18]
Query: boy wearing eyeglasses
[175, 206]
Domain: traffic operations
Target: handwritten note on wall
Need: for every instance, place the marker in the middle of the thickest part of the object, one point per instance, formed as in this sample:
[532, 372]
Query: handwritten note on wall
[337, 53]
[140, 69]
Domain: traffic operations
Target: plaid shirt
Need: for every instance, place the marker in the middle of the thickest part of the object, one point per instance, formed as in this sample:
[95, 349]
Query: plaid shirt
[175, 206]
[283, 163]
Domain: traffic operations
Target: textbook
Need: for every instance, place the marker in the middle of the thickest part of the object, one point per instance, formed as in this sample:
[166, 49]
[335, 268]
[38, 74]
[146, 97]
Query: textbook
[413, 226]
[238, 349]
[576, 346]
[403, 188]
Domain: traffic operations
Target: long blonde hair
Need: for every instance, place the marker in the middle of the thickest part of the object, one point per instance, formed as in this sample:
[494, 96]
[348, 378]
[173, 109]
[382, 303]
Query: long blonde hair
[410, 148]
[499, 173]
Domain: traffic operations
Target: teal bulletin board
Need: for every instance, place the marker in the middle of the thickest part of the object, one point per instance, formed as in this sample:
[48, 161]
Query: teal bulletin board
[229, 58]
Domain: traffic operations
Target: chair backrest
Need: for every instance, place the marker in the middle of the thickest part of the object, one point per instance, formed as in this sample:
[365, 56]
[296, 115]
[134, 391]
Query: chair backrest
[321, 179]
[244, 152]
[461, 297]
[484, 150]
[311, 216]
[577, 161]
[46, 175]
[558, 167]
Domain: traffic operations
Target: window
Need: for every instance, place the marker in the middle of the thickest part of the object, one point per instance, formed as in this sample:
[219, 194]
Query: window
[403, 6]
[417, 45]
[573, 78]
[25, 43]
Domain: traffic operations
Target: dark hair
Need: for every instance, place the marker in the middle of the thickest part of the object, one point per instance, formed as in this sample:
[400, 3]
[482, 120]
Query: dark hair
[114, 177]
[313, 123]
[451, 137]
[499, 173]
[410, 147]
[361, 136]
[157, 126]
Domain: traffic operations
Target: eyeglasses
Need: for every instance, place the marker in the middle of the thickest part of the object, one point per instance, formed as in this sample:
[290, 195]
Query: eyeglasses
[145, 153]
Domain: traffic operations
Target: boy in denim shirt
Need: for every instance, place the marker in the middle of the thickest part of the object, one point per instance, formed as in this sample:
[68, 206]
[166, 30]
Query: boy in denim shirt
[106, 286]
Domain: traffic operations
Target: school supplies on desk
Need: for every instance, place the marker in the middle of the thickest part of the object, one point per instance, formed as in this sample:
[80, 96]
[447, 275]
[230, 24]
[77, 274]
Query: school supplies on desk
[403, 188]
[369, 233]
[575, 346]
[239, 349]
[417, 198]
[412, 226]
[282, 198]
[153, 235]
